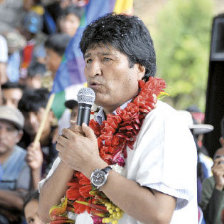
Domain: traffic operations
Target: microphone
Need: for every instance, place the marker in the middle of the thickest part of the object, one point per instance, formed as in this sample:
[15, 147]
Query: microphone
[86, 98]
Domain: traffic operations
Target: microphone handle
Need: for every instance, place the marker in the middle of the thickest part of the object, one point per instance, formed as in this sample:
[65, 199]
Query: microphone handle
[86, 115]
[80, 113]
[83, 114]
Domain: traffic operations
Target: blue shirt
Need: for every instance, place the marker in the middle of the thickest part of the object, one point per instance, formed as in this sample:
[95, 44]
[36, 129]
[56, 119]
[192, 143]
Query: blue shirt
[15, 171]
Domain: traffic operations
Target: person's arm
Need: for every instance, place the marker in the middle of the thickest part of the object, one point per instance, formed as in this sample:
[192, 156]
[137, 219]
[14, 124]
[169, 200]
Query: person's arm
[213, 194]
[12, 199]
[34, 159]
[137, 201]
[81, 154]
[53, 190]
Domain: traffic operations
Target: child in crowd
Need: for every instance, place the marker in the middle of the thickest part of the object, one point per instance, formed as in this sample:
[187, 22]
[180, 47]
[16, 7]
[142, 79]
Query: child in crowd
[69, 20]
[31, 207]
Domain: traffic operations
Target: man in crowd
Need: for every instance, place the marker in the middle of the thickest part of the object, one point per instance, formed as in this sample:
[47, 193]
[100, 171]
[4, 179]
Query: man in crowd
[31, 207]
[212, 201]
[15, 173]
[32, 105]
[55, 46]
[158, 182]
[12, 93]
[70, 20]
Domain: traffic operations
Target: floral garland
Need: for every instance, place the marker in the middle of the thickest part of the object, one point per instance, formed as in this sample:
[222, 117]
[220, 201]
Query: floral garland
[115, 134]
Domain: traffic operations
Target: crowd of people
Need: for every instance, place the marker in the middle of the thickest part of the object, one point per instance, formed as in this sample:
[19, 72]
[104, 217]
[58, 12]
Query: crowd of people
[33, 38]
[168, 163]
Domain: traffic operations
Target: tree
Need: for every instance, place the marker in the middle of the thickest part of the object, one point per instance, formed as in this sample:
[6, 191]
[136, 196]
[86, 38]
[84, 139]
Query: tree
[182, 43]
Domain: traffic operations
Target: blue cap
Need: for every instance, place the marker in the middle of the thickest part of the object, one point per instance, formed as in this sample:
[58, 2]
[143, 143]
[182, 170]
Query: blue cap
[33, 22]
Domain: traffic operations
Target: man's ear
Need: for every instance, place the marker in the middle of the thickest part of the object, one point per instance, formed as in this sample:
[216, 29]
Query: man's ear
[141, 71]
[19, 136]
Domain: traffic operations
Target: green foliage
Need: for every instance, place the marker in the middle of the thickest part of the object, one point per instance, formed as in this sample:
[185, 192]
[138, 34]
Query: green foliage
[182, 44]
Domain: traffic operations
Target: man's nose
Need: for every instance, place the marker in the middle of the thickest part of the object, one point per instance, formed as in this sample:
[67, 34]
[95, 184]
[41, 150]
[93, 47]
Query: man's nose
[95, 69]
[32, 119]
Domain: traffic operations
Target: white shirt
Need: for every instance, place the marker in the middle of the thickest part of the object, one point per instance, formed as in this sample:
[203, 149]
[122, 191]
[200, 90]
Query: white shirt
[164, 158]
[3, 50]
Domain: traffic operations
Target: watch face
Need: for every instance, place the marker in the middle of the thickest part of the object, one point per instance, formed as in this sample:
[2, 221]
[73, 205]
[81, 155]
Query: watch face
[98, 178]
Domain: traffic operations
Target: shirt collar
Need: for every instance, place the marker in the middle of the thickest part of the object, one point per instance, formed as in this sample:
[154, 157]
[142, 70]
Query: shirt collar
[100, 116]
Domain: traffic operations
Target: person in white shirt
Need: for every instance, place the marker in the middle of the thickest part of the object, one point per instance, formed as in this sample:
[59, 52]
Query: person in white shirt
[3, 59]
[139, 136]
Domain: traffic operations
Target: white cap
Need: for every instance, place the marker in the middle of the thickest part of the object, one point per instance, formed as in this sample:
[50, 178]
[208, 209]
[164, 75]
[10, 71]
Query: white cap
[196, 128]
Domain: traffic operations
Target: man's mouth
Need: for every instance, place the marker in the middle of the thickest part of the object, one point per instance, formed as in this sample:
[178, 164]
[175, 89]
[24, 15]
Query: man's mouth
[94, 85]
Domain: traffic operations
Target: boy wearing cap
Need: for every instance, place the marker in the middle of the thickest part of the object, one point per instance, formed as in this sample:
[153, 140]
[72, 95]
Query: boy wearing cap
[14, 172]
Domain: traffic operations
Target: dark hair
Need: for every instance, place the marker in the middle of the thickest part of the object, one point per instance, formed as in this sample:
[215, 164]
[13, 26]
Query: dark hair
[222, 127]
[33, 99]
[57, 42]
[75, 10]
[36, 68]
[12, 85]
[128, 34]
[30, 196]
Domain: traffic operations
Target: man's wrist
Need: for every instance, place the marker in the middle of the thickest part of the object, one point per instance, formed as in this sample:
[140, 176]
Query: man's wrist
[100, 165]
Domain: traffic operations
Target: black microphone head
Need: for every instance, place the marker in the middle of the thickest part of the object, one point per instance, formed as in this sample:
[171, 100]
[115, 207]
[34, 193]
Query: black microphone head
[86, 96]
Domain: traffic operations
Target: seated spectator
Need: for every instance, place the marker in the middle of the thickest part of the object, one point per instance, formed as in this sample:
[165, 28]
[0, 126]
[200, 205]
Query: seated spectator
[10, 15]
[55, 47]
[32, 105]
[69, 20]
[16, 42]
[34, 50]
[15, 173]
[212, 202]
[36, 71]
[36, 6]
[12, 93]
[31, 207]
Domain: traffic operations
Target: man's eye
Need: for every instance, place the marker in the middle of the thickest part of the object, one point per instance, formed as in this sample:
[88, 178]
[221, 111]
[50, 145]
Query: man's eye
[106, 59]
[88, 61]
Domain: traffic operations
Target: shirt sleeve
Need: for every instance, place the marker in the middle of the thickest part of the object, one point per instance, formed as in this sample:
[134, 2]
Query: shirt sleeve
[3, 50]
[167, 161]
[53, 168]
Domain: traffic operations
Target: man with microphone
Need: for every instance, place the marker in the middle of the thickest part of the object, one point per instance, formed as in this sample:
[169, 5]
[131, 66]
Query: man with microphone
[137, 153]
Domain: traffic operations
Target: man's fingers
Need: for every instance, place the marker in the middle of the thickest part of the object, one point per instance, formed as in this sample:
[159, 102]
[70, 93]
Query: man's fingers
[68, 133]
[89, 133]
[61, 143]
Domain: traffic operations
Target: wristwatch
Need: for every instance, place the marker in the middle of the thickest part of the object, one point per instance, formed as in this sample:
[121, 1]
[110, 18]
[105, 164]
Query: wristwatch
[99, 177]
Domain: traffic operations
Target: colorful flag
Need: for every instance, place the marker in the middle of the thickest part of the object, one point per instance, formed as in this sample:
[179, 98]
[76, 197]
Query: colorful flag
[70, 75]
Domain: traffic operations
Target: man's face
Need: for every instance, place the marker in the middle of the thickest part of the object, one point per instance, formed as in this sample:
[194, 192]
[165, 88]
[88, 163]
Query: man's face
[69, 24]
[11, 97]
[31, 214]
[109, 74]
[53, 61]
[34, 82]
[33, 120]
[9, 137]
